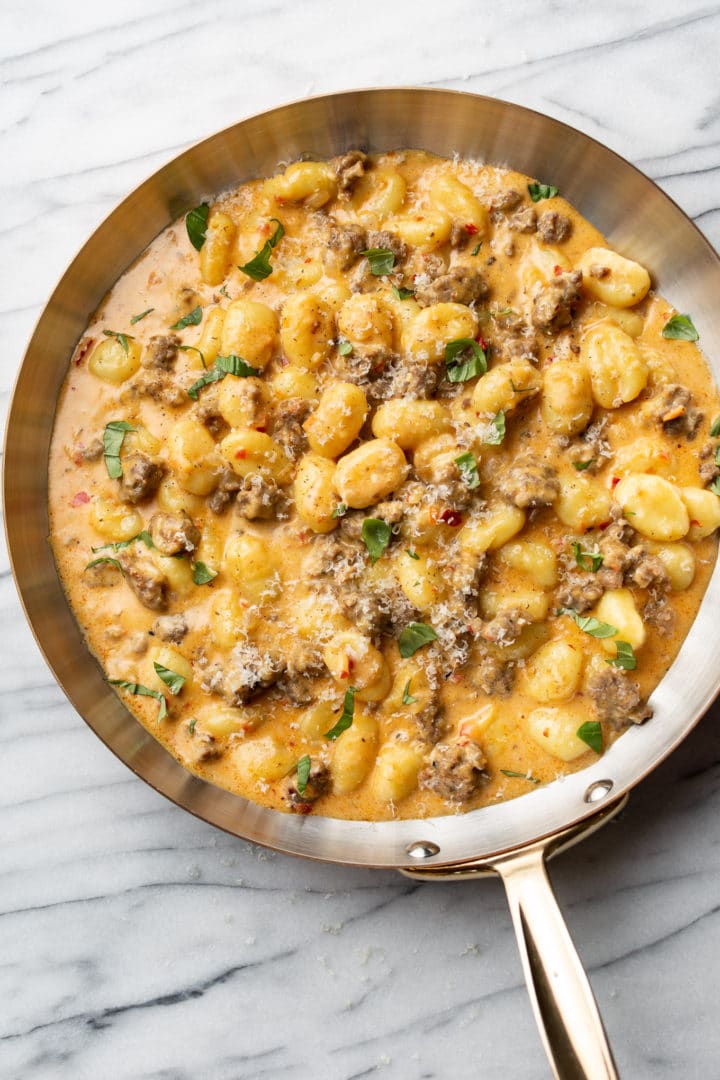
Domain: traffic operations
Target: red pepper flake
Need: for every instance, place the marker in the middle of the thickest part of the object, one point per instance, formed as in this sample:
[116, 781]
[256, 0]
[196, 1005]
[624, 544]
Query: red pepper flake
[615, 481]
[451, 517]
[351, 663]
[80, 499]
[482, 342]
[308, 260]
[83, 349]
[241, 454]
[470, 631]
[470, 229]
[557, 270]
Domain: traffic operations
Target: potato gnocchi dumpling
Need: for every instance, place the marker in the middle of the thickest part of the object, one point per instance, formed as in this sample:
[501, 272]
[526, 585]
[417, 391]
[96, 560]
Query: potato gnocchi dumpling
[382, 488]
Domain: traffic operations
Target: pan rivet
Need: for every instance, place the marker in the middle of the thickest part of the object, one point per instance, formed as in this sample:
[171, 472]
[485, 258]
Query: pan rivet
[422, 849]
[598, 790]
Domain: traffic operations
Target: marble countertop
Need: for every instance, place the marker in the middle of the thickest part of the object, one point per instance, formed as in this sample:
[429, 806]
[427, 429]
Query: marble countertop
[137, 942]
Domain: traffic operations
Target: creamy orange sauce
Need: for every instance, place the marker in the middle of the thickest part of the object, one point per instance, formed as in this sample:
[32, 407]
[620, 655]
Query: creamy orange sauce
[266, 594]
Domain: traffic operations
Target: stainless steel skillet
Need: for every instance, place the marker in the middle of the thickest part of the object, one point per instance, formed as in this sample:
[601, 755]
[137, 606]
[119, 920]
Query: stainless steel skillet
[512, 839]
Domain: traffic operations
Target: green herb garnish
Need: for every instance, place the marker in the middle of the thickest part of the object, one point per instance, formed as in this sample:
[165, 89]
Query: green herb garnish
[113, 437]
[118, 545]
[340, 510]
[223, 292]
[344, 348]
[581, 466]
[625, 657]
[519, 776]
[715, 487]
[142, 691]
[413, 637]
[494, 438]
[191, 725]
[346, 717]
[121, 338]
[193, 318]
[376, 535]
[467, 465]
[715, 429]
[590, 624]
[587, 560]
[105, 559]
[224, 365]
[402, 293]
[303, 773]
[542, 191]
[193, 348]
[407, 698]
[381, 261]
[137, 318]
[591, 733]
[259, 266]
[202, 574]
[477, 247]
[412, 554]
[680, 328]
[196, 225]
[459, 370]
[172, 680]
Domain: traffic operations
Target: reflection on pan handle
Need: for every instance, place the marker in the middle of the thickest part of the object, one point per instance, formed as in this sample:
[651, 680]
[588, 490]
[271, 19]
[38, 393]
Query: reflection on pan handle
[565, 1009]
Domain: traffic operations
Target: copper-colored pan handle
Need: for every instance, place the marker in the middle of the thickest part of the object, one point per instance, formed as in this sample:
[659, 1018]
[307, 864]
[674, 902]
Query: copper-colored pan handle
[565, 1009]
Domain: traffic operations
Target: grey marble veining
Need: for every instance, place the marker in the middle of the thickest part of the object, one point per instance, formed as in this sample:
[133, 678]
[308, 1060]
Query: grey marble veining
[137, 942]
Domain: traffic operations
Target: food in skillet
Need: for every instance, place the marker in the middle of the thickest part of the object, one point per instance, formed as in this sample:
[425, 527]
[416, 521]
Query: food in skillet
[383, 487]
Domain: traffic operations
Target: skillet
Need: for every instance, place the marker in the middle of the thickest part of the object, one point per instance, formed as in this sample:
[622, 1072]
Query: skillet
[512, 839]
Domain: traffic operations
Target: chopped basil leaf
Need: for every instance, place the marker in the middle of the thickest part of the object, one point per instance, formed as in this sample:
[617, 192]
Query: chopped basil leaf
[717, 455]
[224, 365]
[196, 225]
[215, 374]
[519, 776]
[223, 292]
[303, 773]
[113, 436]
[192, 348]
[504, 313]
[407, 698]
[142, 691]
[587, 560]
[172, 680]
[340, 510]
[591, 733]
[235, 365]
[381, 260]
[542, 191]
[581, 466]
[412, 554]
[625, 657]
[413, 637]
[403, 294]
[680, 328]
[715, 429]
[590, 624]
[259, 266]
[121, 338]
[202, 574]
[467, 465]
[522, 389]
[193, 318]
[105, 559]
[137, 318]
[376, 535]
[715, 487]
[459, 370]
[191, 725]
[494, 438]
[120, 544]
[346, 717]
[344, 348]
[477, 247]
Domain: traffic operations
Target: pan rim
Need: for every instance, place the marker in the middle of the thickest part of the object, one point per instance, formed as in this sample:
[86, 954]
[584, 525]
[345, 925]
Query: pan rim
[296, 842]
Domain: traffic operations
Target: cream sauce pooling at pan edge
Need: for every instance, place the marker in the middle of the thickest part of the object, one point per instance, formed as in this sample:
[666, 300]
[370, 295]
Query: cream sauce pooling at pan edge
[364, 576]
